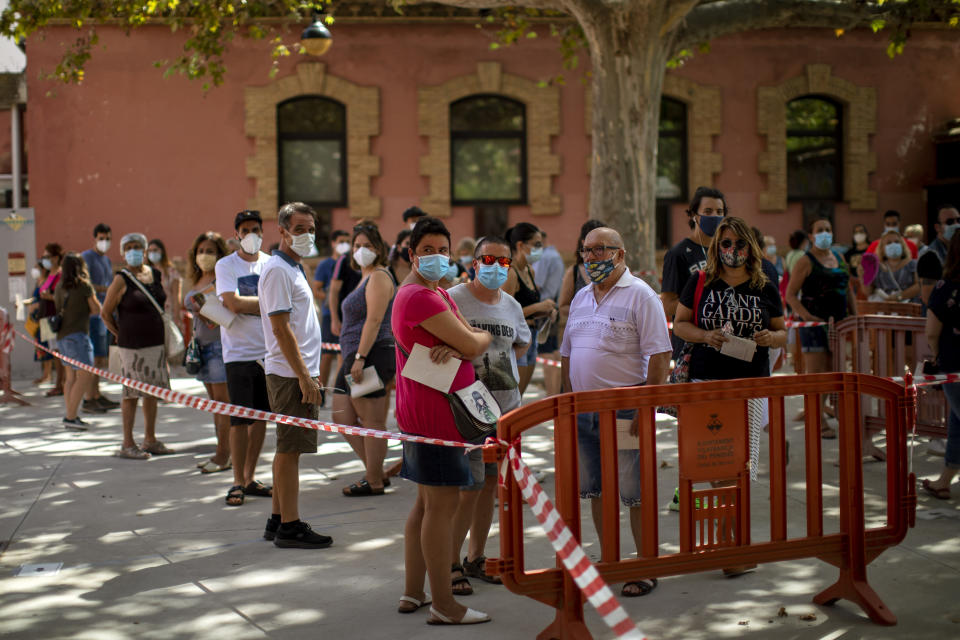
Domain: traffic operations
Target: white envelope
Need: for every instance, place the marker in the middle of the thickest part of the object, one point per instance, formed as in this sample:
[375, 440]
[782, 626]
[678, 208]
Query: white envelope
[625, 440]
[420, 368]
[739, 348]
[371, 382]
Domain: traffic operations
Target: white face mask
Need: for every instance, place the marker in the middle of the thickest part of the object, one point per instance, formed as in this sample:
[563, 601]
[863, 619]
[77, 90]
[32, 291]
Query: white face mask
[154, 256]
[860, 237]
[35, 273]
[251, 243]
[412, 225]
[103, 246]
[342, 248]
[302, 244]
[364, 256]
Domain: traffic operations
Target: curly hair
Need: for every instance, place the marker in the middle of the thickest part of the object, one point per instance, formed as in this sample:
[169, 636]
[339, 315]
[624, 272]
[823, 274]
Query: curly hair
[754, 263]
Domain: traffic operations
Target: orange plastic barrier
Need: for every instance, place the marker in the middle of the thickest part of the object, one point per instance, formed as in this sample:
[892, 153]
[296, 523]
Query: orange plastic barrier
[713, 442]
[878, 345]
[910, 309]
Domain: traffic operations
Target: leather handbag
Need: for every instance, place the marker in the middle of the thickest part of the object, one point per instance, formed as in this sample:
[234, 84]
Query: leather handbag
[173, 339]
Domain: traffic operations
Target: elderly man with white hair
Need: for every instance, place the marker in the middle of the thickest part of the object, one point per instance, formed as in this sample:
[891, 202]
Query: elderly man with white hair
[616, 336]
[136, 295]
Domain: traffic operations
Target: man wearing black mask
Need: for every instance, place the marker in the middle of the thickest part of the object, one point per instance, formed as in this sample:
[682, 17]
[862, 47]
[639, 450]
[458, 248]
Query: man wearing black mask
[689, 256]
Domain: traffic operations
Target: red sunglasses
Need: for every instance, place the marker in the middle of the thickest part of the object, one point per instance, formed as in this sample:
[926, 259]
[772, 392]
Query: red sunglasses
[489, 260]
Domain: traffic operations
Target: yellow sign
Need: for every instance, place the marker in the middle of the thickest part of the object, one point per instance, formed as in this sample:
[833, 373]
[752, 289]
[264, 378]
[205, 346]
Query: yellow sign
[15, 221]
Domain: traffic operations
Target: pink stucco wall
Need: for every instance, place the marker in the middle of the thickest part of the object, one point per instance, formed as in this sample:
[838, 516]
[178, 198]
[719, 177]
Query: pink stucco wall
[161, 156]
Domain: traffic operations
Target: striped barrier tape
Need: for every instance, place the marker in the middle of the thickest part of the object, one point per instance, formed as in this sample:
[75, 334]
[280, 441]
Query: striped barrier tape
[6, 338]
[576, 561]
[923, 380]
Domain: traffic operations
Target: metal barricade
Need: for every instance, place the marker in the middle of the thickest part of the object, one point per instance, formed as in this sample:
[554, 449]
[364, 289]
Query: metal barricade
[886, 346]
[713, 443]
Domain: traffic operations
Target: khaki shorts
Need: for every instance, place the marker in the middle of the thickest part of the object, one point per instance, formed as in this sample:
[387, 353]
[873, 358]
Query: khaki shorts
[285, 397]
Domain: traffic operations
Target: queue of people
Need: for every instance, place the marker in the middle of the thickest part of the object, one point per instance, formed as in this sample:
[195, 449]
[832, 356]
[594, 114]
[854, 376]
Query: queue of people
[263, 337]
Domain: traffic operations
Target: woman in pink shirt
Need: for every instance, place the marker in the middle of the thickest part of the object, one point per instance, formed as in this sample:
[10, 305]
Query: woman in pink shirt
[425, 314]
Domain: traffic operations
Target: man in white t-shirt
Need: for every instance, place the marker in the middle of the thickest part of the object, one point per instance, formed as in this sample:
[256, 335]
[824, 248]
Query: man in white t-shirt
[238, 277]
[291, 330]
[616, 336]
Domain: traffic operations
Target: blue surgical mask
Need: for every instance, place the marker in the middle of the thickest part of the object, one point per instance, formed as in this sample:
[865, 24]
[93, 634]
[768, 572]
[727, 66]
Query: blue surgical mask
[948, 231]
[823, 240]
[134, 257]
[452, 271]
[433, 267]
[535, 254]
[709, 224]
[771, 250]
[492, 276]
[893, 250]
[47, 263]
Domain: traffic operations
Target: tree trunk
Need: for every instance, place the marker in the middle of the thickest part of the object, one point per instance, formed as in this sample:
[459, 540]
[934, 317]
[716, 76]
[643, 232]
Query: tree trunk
[629, 57]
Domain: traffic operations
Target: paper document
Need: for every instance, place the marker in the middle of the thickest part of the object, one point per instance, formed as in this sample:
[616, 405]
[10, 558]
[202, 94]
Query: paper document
[739, 348]
[214, 310]
[371, 382]
[422, 369]
[625, 440]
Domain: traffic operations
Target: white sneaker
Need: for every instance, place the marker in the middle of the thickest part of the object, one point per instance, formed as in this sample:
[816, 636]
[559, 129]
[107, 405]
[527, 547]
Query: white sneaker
[937, 447]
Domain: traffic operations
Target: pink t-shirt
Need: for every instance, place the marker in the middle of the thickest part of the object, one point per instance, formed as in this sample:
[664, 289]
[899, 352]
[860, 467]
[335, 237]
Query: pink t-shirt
[421, 410]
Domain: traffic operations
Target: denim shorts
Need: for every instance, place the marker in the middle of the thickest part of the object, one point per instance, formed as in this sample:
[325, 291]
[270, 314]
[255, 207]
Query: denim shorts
[100, 337]
[529, 359]
[628, 460]
[213, 370]
[479, 470]
[77, 346]
[813, 339]
[435, 465]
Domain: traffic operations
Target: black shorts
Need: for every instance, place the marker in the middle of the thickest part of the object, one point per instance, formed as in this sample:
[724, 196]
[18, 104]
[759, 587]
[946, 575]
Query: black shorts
[247, 387]
[327, 334]
[382, 357]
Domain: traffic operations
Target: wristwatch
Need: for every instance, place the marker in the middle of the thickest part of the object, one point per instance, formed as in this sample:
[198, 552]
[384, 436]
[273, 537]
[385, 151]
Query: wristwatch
[359, 357]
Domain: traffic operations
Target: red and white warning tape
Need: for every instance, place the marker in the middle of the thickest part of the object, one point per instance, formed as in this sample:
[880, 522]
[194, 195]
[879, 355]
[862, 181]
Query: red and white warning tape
[577, 563]
[927, 380]
[6, 338]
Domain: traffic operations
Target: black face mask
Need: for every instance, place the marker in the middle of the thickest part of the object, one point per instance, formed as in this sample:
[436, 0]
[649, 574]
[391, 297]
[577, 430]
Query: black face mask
[405, 253]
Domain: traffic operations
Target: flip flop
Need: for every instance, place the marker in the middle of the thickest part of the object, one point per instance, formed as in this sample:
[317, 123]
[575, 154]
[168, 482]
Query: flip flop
[412, 604]
[257, 488]
[939, 494]
[645, 587]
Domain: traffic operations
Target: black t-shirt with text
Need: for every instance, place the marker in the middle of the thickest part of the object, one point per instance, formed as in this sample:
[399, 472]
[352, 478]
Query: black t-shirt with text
[945, 304]
[743, 310]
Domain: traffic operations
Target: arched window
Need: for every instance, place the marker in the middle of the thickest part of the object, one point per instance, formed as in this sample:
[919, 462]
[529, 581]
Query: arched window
[312, 151]
[814, 149]
[488, 151]
[671, 165]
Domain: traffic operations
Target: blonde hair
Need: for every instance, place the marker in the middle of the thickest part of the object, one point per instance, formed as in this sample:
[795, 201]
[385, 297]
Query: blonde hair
[905, 253]
[754, 263]
[914, 230]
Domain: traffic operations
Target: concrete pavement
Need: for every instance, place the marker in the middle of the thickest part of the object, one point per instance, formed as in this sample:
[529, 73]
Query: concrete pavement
[150, 550]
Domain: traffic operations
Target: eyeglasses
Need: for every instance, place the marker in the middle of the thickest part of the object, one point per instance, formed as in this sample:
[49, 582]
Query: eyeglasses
[503, 261]
[597, 251]
[727, 243]
[365, 226]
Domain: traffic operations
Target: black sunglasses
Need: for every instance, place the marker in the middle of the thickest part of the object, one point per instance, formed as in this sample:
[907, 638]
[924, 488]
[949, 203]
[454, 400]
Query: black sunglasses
[727, 243]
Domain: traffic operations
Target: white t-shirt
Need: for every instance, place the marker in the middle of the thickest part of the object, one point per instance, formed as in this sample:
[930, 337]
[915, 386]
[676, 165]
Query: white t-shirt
[284, 289]
[609, 344]
[243, 341]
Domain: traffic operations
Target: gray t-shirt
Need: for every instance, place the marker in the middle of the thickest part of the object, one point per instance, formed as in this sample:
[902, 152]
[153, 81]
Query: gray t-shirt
[497, 367]
[895, 281]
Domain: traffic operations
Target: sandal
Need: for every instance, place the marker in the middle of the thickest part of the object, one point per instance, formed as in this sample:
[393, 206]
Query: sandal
[477, 569]
[939, 494]
[409, 604]
[133, 452]
[361, 488]
[644, 586]
[257, 488]
[157, 448]
[461, 585]
[472, 616]
[56, 391]
[828, 433]
[212, 467]
[234, 496]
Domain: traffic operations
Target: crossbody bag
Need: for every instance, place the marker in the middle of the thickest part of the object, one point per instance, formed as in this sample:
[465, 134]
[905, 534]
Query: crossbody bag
[172, 338]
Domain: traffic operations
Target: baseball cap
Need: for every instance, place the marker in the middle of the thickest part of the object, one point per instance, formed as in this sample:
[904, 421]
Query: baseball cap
[247, 214]
[413, 212]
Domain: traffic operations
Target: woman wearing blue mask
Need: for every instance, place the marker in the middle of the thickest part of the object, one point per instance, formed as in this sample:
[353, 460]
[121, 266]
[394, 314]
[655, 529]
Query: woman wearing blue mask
[424, 314]
[138, 327]
[896, 279]
[819, 289]
[526, 243]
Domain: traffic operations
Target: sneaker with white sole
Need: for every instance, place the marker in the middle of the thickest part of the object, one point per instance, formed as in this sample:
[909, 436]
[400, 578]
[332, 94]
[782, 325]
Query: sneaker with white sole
[75, 424]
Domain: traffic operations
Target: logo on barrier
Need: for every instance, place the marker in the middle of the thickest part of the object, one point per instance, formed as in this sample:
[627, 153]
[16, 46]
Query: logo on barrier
[713, 440]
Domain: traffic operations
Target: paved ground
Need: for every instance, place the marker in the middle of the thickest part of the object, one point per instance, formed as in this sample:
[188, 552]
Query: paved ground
[149, 550]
